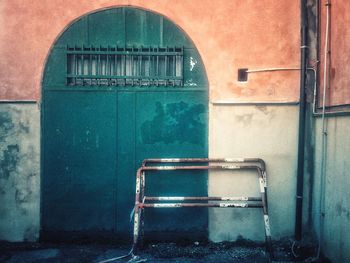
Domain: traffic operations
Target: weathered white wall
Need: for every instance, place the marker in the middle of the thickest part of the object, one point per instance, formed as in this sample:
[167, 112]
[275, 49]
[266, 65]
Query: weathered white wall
[267, 132]
[20, 172]
[336, 228]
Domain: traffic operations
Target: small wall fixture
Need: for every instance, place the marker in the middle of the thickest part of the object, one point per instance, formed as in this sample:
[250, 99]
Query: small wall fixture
[242, 74]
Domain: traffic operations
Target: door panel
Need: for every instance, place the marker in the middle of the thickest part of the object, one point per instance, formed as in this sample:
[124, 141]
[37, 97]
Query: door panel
[79, 182]
[126, 161]
[173, 124]
[101, 33]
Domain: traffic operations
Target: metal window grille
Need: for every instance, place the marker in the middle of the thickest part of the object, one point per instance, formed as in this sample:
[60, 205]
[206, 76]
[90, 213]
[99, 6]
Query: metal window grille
[125, 66]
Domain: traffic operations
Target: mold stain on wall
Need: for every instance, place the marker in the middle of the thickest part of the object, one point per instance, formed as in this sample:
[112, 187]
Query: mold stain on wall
[19, 172]
[172, 120]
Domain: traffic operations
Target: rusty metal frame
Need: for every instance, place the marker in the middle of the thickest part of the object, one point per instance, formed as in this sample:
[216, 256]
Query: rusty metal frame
[260, 161]
[142, 201]
[226, 202]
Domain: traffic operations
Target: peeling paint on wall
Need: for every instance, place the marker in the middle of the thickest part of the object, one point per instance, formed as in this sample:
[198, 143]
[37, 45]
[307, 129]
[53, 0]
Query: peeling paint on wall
[19, 172]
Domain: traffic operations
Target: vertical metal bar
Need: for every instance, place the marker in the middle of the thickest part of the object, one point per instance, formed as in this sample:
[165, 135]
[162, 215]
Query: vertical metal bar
[157, 66]
[182, 65]
[153, 68]
[173, 65]
[124, 63]
[137, 211]
[115, 64]
[166, 66]
[90, 68]
[96, 67]
[88, 61]
[82, 65]
[75, 68]
[98, 80]
[143, 186]
[68, 65]
[82, 69]
[142, 199]
[78, 67]
[115, 71]
[108, 66]
[174, 68]
[263, 186]
[108, 69]
[124, 67]
[149, 67]
[139, 68]
[132, 67]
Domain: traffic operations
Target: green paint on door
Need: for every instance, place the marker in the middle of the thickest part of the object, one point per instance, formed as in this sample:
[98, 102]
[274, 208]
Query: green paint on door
[95, 137]
[174, 122]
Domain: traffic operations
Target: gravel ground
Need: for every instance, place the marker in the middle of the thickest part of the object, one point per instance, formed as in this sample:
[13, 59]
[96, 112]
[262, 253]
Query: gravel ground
[154, 252]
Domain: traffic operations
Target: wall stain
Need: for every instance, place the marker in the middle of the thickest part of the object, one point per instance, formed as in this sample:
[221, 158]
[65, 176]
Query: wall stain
[245, 119]
[340, 210]
[24, 127]
[263, 109]
[23, 196]
[9, 161]
[2, 189]
[174, 122]
[6, 125]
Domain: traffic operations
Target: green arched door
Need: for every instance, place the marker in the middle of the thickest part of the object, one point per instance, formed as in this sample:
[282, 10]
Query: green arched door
[120, 85]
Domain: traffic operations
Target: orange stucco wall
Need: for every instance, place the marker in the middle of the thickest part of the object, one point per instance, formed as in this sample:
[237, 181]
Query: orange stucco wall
[228, 34]
[338, 92]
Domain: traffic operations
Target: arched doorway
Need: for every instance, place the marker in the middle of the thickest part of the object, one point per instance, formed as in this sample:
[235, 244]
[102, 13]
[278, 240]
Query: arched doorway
[120, 85]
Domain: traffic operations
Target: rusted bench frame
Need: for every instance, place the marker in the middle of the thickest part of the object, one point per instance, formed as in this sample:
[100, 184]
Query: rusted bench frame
[141, 201]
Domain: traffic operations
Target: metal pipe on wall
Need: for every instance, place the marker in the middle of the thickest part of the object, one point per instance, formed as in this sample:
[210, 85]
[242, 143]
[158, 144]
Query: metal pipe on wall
[324, 131]
[302, 113]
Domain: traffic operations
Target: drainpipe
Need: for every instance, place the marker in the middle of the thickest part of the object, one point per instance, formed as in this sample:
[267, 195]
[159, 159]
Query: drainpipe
[302, 113]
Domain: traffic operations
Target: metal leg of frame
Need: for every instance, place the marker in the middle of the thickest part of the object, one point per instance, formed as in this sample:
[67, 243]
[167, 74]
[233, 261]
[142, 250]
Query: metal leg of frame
[263, 188]
[137, 212]
[142, 211]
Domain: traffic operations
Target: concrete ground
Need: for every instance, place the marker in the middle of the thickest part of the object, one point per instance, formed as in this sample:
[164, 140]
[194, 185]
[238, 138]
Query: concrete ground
[154, 252]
